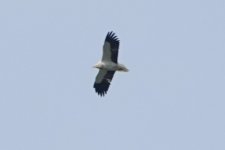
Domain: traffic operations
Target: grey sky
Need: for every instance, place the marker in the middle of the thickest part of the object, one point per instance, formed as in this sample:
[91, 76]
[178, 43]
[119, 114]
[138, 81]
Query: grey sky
[172, 99]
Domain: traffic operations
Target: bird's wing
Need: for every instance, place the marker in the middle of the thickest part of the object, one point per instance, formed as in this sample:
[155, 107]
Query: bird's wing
[111, 48]
[102, 81]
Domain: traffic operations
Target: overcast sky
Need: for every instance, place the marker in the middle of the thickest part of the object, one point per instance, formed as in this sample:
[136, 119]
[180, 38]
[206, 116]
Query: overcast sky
[173, 98]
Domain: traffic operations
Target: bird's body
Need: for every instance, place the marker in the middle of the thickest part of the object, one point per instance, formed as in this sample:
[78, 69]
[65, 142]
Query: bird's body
[108, 65]
[111, 66]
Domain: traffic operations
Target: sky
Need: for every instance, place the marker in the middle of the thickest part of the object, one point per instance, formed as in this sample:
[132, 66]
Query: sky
[173, 97]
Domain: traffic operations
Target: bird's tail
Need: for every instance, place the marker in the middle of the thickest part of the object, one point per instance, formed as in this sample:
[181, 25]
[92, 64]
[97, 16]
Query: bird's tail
[122, 68]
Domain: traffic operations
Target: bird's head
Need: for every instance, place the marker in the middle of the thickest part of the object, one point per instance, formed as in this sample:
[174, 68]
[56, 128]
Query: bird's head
[98, 66]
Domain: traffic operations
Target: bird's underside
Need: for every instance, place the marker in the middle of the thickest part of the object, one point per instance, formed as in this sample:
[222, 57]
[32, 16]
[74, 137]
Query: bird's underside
[108, 65]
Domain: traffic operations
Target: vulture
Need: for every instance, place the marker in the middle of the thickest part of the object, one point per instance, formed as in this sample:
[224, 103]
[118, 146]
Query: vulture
[108, 64]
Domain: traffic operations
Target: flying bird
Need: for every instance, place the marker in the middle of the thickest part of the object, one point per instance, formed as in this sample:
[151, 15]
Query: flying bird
[108, 65]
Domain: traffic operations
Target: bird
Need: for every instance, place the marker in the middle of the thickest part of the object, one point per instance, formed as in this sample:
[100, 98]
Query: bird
[108, 64]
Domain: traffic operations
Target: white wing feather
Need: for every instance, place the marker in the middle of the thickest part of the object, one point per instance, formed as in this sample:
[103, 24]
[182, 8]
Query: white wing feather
[100, 76]
[106, 52]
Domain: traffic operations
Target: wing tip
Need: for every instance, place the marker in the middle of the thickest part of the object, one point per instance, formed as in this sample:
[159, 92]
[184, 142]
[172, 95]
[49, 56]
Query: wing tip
[111, 36]
[101, 88]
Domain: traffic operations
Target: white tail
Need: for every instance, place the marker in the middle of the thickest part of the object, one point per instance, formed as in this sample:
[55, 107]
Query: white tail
[122, 68]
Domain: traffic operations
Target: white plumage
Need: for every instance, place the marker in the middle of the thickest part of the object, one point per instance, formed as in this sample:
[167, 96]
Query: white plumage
[108, 65]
